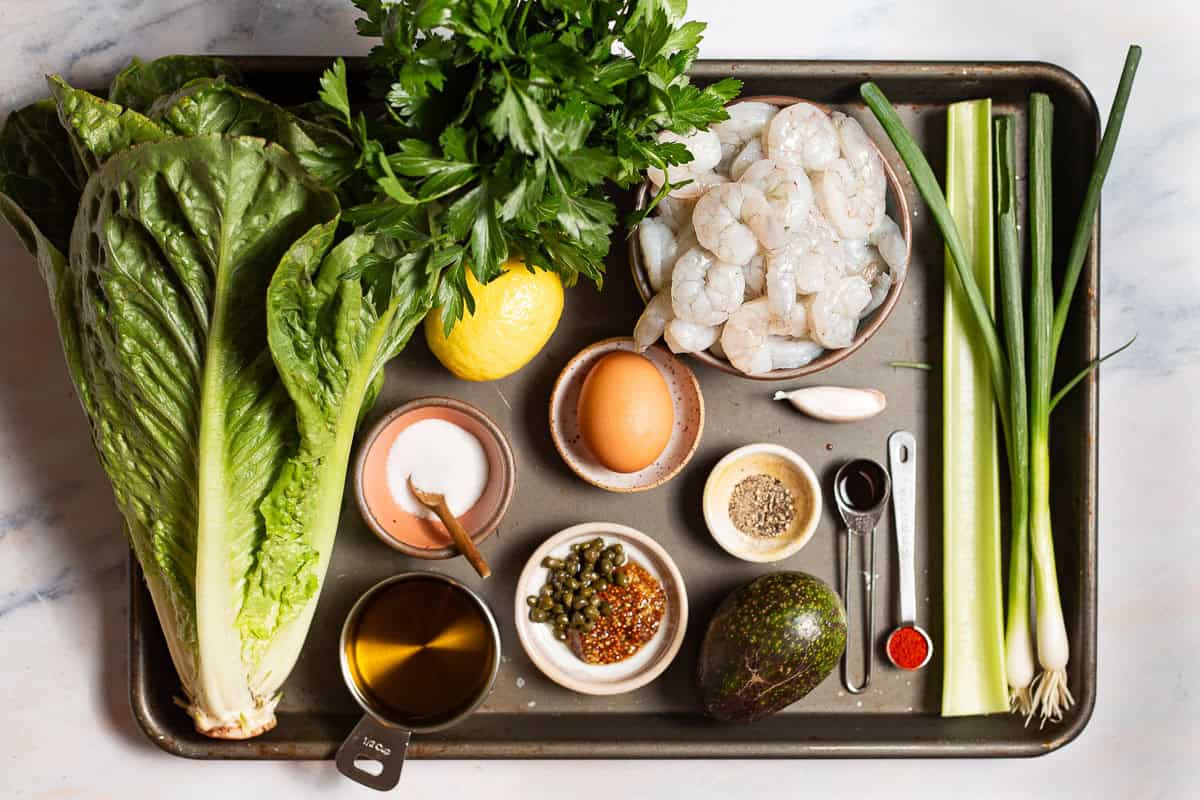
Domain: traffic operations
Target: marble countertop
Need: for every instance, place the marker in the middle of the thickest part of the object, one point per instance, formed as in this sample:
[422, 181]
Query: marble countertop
[67, 728]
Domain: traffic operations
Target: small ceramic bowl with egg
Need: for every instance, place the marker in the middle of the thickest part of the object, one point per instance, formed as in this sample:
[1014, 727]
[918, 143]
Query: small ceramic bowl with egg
[448, 447]
[762, 503]
[626, 421]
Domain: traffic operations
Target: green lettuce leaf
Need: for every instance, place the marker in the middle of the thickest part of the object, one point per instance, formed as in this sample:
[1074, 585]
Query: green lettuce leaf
[38, 171]
[216, 106]
[334, 319]
[174, 243]
[142, 82]
[97, 128]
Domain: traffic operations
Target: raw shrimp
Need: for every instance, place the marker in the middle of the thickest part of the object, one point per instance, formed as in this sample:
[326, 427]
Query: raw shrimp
[812, 254]
[705, 147]
[745, 338]
[888, 239]
[794, 324]
[858, 149]
[879, 293]
[862, 260]
[675, 212]
[731, 220]
[749, 155]
[833, 313]
[705, 290]
[787, 353]
[781, 284]
[853, 189]
[659, 251]
[653, 321]
[852, 201]
[688, 337]
[755, 273]
[787, 189]
[746, 122]
[803, 136]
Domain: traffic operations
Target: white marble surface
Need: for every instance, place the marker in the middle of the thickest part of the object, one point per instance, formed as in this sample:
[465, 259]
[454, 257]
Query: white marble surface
[67, 731]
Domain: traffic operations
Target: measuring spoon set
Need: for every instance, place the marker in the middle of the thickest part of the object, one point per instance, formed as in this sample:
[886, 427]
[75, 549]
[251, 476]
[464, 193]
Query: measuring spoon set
[861, 489]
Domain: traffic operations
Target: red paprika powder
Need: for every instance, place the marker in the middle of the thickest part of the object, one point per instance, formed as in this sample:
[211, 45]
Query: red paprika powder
[907, 648]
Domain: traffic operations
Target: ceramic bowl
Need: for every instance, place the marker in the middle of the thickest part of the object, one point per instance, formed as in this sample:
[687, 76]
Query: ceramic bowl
[897, 209]
[557, 661]
[778, 462]
[686, 400]
[416, 536]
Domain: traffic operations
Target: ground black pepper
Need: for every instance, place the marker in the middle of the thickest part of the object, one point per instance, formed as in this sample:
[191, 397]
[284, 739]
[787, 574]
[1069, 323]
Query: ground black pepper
[761, 506]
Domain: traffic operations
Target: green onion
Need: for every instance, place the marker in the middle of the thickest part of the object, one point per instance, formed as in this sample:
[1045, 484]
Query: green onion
[974, 677]
[1051, 694]
[1018, 638]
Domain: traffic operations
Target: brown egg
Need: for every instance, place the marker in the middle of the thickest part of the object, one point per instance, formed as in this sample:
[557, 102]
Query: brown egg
[625, 412]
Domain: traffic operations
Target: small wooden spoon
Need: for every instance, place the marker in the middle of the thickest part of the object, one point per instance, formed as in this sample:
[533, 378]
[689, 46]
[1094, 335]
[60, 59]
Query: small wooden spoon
[437, 503]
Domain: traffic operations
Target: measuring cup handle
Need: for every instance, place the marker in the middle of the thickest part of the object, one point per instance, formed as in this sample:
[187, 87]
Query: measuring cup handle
[372, 743]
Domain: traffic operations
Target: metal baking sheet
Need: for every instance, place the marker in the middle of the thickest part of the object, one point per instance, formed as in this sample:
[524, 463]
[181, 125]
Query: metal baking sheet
[527, 716]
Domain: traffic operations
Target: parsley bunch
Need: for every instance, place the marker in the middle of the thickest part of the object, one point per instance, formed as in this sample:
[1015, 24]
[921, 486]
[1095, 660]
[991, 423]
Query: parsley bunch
[501, 122]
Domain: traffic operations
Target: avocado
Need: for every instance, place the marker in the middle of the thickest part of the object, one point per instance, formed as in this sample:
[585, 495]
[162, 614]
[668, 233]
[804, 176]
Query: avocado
[769, 644]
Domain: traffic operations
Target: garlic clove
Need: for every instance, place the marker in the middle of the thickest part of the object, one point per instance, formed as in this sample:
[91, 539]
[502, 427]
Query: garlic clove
[836, 403]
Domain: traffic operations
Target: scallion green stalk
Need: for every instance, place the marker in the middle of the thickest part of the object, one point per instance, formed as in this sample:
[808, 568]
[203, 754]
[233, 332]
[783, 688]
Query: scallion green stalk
[1052, 697]
[1018, 638]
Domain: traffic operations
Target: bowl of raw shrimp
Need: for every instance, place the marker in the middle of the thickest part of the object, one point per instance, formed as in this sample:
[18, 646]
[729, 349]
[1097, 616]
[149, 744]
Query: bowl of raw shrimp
[785, 250]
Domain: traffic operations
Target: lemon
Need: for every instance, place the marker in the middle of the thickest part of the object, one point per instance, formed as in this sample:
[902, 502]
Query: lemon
[514, 317]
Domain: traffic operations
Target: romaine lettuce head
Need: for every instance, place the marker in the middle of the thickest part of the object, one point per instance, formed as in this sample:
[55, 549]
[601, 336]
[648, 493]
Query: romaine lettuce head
[223, 347]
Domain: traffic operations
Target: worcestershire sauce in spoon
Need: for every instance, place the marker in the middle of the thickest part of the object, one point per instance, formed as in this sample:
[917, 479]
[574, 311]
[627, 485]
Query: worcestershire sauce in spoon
[862, 485]
[422, 651]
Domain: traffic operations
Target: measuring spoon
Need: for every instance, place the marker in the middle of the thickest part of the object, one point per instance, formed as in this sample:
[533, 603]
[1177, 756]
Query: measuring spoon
[902, 462]
[861, 489]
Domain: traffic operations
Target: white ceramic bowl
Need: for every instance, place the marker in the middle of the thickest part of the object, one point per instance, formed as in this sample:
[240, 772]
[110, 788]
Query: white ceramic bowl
[779, 462]
[557, 661]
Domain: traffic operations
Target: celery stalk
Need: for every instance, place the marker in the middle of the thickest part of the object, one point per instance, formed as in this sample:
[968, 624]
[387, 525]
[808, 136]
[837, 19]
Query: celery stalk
[974, 679]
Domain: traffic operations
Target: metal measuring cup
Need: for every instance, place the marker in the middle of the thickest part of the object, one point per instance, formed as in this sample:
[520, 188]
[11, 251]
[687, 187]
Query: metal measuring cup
[860, 514]
[380, 737]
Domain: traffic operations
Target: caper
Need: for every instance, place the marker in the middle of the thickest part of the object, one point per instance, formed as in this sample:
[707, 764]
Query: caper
[591, 555]
[605, 565]
[587, 575]
[580, 602]
[597, 542]
[572, 563]
[600, 585]
[560, 635]
[617, 548]
[591, 612]
[621, 577]
[562, 620]
[587, 593]
[619, 559]
[550, 562]
[545, 602]
[573, 584]
[531, 601]
[605, 608]
[538, 615]
[595, 601]
[547, 590]
[567, 598]
[588, 626]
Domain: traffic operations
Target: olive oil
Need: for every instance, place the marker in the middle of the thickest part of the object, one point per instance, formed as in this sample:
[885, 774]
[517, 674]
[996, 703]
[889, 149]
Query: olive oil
[421, 651]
